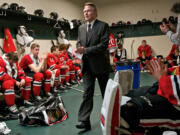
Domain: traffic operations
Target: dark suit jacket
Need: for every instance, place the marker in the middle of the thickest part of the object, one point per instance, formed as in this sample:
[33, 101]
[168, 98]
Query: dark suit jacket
[96, 58]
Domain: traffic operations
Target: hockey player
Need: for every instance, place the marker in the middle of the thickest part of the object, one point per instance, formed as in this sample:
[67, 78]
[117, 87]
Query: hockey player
[9, 64]
[144, 53]
[75, 63]
[143, 109]
[173, 55]
[13, 78]
[9, 94]
[63, 60]
[54, 66]
[35, 69]
[120, 54]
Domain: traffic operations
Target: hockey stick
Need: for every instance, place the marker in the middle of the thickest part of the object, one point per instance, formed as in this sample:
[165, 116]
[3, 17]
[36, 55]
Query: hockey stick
[53, 44]
[2, 50]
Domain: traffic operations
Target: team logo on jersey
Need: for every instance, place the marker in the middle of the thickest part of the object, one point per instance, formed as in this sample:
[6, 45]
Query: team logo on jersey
[51, 60]
[62, 59]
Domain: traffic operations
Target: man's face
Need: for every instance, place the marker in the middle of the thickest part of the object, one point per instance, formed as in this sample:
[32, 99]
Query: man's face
[35, 51]
[143, 43]
[89, 13]
[176, 52]
[56, 52]
[11, 61]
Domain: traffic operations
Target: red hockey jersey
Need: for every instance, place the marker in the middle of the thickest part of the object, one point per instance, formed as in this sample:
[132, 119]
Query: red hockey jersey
[53, 62]
[169, 87]
[27, 60]
[12, 70]
[173, 53]
[63, 58]
[4, 76]
[144, 50]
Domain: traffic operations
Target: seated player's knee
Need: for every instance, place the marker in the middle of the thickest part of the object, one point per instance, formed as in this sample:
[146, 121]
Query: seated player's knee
[38, 76]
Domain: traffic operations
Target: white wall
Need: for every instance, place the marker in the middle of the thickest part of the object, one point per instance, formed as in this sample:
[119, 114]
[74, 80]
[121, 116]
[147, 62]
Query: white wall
[44, 45]
[134, 10]
[66, 9]
[160, 45]
[109, 11]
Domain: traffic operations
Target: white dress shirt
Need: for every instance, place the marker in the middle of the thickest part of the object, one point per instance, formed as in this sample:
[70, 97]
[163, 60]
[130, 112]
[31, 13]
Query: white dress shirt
[92, 23]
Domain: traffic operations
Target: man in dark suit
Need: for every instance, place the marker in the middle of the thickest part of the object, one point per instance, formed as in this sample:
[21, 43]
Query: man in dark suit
[93, 39]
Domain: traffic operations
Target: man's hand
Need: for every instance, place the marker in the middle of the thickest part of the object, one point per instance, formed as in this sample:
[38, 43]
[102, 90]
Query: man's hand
[123, 59]
[18, 84]
[44, 55]
[143, 55]
[65, 67]
[22, 83]
[80, 50]
[164, 28]
[157, 68]
[170, 61]
[77, 61]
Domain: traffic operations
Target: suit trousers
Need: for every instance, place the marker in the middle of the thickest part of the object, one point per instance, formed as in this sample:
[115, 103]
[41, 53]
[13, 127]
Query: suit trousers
[89, 85]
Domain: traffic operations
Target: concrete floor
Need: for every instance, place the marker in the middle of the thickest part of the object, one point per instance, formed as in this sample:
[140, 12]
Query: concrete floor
[72, 99]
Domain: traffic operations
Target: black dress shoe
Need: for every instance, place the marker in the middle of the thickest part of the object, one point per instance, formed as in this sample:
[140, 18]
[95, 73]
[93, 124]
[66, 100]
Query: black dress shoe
[84, 125]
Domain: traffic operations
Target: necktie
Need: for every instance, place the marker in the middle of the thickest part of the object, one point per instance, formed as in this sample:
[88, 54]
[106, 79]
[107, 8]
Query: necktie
[89, 28]
[89, 32]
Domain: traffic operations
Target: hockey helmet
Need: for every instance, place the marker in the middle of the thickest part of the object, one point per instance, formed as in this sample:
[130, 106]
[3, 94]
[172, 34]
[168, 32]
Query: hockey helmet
[119, 23]
[113, 24]
[120, 34]
[171, 19]
[128, 23]
[14, 6]
[53, 15]
[165, 20]
[75, 23]
[176, 8]
[5, 6]
[39, 12]
[139, 23]
[148, 21]
[144, 21]
[21, 9]
[176, 19]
